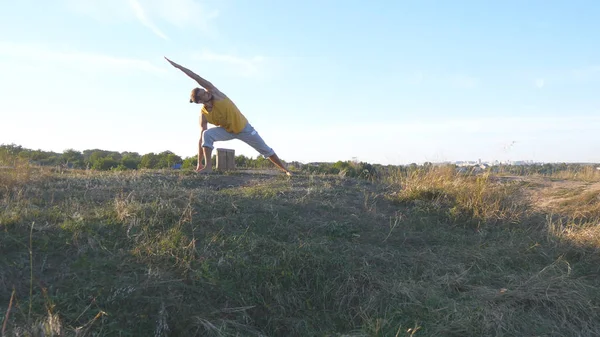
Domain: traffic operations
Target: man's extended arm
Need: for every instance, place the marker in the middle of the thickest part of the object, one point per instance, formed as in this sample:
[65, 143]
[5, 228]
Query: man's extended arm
[203, 127]
[204, 83]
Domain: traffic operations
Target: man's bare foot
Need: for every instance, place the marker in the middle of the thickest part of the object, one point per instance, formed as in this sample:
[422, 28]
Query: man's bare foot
[205, 170]
[288, 173]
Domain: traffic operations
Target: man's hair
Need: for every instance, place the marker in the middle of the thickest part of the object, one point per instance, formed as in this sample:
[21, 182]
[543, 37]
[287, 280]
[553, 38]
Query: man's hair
[193, 94]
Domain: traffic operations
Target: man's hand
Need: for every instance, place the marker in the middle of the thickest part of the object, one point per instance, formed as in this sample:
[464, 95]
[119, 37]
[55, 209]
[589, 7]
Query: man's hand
[173, 63]
[204, 83]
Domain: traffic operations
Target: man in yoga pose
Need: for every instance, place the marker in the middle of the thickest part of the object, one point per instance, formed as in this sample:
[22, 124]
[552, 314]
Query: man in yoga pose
[219, 110]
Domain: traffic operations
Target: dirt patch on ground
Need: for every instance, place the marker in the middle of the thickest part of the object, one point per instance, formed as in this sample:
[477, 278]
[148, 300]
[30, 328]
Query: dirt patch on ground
[544, 193]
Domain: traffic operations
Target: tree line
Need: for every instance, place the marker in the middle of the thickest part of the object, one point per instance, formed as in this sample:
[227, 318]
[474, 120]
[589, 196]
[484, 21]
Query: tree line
[103, 160]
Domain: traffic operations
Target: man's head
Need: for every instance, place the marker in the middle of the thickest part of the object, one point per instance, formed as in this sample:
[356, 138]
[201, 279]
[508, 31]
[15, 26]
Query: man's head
[200, 96]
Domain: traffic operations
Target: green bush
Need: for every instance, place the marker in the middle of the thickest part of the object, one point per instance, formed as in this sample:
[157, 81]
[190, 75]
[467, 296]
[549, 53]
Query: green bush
[149, 161]
[130, 162]
[105, 164]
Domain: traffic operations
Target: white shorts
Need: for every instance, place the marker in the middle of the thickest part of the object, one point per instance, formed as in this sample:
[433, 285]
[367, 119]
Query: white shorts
[248, 135]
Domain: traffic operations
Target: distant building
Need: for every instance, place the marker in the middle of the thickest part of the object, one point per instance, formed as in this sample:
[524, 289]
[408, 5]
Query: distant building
[318, 163]
[466, 163]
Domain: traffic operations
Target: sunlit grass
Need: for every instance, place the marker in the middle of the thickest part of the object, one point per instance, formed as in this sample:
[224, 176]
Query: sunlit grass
[463, 197]
[587, 173]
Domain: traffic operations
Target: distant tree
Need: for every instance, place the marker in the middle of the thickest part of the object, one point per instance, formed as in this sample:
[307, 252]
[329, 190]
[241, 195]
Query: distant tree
[173, 159]
[130, 161]
[11, 149]
[87, 154]
[10, 153]
[262, 162]
[130, 155]
[190, 163]
[149, 161]
[92, 156]
[38, 155]
[95, 157]
[241, 161]
[72, 157]
[24, 154]
[167, 159]
[104, 164]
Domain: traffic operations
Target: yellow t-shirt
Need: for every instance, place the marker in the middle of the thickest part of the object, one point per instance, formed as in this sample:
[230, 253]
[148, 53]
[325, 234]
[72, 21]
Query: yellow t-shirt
[225, 114]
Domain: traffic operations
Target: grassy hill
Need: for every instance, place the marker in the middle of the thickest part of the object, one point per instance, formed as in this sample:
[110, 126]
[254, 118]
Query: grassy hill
[164, 253]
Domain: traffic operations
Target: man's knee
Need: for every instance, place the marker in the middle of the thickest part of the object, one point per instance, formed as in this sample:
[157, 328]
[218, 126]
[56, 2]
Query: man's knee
[255, 141]
[267, 152]
[261, 147]
[208, 138]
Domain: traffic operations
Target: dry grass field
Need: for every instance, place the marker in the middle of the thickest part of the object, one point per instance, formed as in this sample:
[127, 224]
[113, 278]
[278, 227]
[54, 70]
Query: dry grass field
[169, 253]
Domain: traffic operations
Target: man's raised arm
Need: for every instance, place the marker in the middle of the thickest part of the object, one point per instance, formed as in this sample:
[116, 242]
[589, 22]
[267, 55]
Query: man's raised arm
[204, 83]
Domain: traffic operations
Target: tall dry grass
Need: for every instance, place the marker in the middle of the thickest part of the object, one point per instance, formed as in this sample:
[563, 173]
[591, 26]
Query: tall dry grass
[464, 196]
[587, 173]
[14, 172]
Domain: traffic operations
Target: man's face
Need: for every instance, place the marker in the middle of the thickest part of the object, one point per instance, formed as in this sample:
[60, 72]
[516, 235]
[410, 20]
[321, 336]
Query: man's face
[202, 96]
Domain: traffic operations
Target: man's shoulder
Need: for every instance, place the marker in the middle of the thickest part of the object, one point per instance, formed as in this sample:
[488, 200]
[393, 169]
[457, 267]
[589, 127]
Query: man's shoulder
[218, 94]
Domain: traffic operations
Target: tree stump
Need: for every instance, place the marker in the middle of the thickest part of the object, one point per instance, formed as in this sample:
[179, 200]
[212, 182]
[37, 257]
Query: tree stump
[225, 159]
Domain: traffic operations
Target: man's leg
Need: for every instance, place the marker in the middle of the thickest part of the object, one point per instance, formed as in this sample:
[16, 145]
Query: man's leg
[210, 136]
[207, 151]
[252, 138]
[275, 160]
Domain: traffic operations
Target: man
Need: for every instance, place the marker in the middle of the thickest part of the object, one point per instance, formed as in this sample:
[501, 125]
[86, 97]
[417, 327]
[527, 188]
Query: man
[219, 110]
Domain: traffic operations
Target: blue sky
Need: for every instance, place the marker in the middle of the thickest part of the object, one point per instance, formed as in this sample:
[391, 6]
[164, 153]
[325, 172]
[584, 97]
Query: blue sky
[390, 82]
